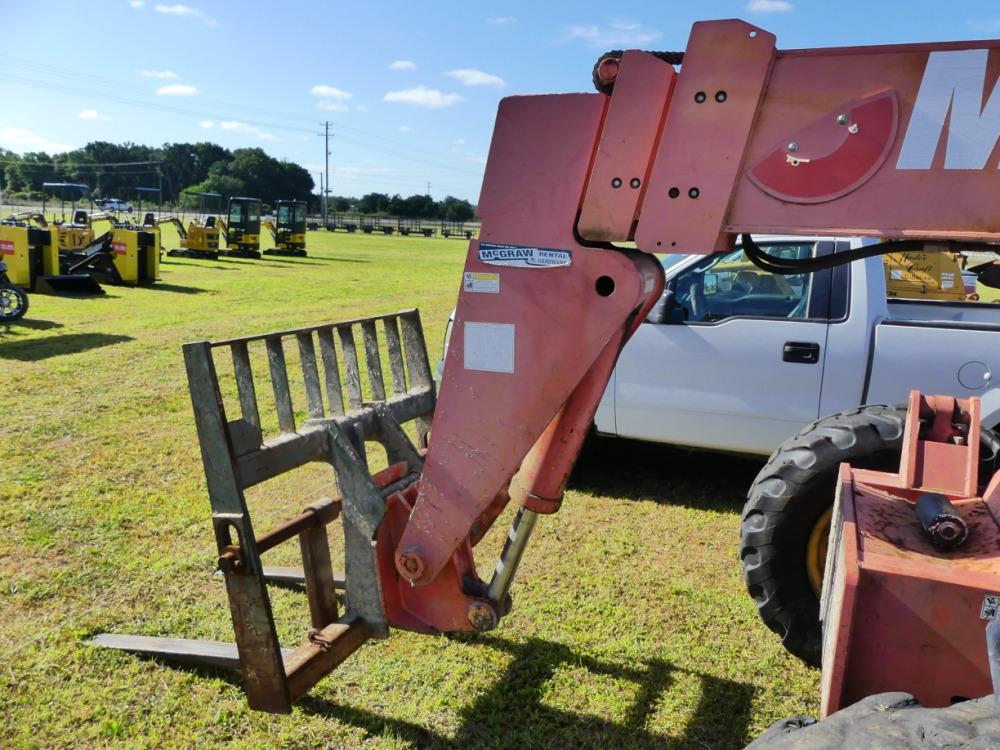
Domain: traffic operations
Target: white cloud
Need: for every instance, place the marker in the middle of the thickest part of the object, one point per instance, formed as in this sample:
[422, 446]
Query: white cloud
[332, 106]
[185, 11]
[406, 129]
[23, 140]
[421, 96]
[402, 65]
[617, 34]
[475, 159]
[459, 142]
[501, 20]
[235, 126]
[92, 114]
[136, 3]
[157, 73]
[178, 10]
[207, 124]
[330, 92]
[769, 6]
[177, 89]
[473, 77]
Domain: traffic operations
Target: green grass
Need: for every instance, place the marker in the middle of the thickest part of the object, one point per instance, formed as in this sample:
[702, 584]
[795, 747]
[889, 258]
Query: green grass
[630, 625]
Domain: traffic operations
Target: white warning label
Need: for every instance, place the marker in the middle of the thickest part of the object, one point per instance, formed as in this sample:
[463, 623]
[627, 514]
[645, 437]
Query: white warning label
[481, 282]
[991, 607]
[489, 347]
[519, 256]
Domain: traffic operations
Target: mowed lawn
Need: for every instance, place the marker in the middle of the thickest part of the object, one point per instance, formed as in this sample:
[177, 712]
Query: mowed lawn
[630, 626]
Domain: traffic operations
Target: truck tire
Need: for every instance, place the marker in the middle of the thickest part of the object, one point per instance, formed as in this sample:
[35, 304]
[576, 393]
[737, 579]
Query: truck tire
[894, 720]
[785, 521]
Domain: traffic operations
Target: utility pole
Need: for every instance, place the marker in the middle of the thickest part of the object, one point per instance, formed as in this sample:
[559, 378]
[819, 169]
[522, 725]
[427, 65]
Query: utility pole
[428, 188]
[321, 199]
[325, 190]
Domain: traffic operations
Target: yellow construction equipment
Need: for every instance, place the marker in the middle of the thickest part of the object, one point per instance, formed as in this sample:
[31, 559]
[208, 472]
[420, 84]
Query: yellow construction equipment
[935, 274]
[241, 228]
[31, 254]
[78, 232]
[200, 238]
[288, 229]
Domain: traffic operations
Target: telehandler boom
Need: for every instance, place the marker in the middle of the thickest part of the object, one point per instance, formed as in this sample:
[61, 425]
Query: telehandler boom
[889, 142]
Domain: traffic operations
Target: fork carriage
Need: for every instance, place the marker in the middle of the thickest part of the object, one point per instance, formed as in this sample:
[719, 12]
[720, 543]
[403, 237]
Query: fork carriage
[237, 454]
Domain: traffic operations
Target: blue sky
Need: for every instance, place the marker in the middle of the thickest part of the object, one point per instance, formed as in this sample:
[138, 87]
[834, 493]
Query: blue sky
[410, 88]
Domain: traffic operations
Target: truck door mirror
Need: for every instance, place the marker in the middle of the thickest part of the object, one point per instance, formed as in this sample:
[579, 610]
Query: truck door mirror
[661, 310]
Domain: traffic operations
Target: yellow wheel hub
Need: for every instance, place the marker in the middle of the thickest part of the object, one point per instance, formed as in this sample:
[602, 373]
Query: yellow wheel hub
[819, 538]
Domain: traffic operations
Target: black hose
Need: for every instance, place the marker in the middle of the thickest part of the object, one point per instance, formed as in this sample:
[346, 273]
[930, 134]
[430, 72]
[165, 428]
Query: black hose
[789, 266]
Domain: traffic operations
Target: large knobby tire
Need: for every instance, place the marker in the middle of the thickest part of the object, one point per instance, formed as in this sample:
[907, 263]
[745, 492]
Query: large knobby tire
[13, 303]
[786, 517]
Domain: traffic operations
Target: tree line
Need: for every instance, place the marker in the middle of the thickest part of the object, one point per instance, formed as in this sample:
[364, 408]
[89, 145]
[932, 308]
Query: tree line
[114, 170]
[179, 170]
[414, 207]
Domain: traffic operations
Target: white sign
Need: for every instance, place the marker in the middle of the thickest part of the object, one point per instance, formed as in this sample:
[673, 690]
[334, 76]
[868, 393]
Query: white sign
[481, 282]
[518, 256]
[991, 607]
[489, 347]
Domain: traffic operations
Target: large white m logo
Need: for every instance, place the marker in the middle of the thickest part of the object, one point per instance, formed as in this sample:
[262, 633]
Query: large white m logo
[954, 80]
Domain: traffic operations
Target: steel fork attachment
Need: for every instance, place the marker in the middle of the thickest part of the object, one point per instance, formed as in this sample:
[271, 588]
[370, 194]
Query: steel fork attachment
[237, 454]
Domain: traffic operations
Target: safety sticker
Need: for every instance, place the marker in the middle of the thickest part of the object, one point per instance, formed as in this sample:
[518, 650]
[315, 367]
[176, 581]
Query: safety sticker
[119, 248]
[489, 347]
[991, 607]
[6, 247]
[481, 282]
[947, 280]
[518, 256]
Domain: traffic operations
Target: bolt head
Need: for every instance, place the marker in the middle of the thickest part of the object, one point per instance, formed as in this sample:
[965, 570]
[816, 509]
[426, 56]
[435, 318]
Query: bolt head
[842, 119]
[410, 564]
[793, 146]
[482, 616]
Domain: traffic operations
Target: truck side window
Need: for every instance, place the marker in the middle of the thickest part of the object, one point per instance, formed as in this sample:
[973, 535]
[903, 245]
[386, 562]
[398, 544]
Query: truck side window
[730, 285]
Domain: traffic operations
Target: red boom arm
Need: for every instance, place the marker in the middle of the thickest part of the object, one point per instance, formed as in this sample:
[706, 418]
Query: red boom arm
[895, 141]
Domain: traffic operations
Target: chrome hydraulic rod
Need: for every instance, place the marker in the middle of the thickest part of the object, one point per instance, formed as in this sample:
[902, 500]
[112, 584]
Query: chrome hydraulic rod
[510, 558]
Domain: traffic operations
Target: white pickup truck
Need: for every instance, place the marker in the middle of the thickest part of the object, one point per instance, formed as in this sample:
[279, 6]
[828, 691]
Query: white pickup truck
[734, 359]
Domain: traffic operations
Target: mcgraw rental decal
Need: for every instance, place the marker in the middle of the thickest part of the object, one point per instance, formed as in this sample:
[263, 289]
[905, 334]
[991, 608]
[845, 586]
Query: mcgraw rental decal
[518, 256]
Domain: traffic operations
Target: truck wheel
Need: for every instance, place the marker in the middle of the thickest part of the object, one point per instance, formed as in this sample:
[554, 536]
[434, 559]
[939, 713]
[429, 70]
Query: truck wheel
[786, 520]
[13, 303]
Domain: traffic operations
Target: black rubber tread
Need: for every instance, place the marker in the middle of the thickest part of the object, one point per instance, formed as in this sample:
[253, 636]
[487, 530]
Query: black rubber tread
[21, 309]
[791, 493]
[889, 720]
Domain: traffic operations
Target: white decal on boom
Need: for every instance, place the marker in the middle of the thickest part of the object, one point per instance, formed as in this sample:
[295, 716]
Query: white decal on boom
[953, 81]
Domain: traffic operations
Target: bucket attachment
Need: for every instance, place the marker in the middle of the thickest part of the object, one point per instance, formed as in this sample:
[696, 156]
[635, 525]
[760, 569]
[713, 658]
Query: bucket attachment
[913, 569]
[68, 284]
[237, 454]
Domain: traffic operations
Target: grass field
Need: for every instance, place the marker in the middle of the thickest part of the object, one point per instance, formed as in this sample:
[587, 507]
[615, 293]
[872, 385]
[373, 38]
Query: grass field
[630, 625]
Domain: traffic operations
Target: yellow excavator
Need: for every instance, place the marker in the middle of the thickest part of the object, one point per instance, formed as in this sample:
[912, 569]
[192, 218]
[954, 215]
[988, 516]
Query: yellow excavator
[241, 228]
[200, 238]
[78, 231]
[288, 228]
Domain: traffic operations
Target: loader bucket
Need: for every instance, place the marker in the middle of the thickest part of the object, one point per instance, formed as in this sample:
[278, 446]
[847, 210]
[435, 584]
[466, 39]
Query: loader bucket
[73, 284]
[342, 415]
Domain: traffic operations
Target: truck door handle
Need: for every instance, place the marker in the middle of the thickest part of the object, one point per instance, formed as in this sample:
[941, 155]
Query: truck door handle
[806, 352]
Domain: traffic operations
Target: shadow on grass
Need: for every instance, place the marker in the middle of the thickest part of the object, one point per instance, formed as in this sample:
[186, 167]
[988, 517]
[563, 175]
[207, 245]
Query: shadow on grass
[634, 470]
[513, 712]
[35, 325]
[176, 288]
[34, 350]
